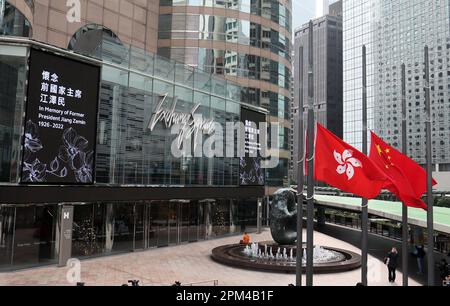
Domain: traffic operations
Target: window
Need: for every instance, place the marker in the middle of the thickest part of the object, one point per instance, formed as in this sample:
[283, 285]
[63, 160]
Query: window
[98, 41]
[12, 21]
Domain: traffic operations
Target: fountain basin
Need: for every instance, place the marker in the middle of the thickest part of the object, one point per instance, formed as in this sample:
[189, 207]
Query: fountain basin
[235, 255]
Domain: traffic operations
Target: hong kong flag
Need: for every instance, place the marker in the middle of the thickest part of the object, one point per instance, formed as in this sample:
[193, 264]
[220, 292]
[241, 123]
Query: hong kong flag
[407, 179]
[342, 166]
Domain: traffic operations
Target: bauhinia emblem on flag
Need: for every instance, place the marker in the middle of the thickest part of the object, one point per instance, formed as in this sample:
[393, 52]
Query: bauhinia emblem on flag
[347, 163]
[350, 171]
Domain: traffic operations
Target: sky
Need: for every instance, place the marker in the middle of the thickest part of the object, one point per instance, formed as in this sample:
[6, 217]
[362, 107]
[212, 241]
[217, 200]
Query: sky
[303, 11]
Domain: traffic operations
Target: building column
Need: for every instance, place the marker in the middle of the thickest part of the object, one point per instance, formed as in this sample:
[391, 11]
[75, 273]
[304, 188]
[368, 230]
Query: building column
[65, 235]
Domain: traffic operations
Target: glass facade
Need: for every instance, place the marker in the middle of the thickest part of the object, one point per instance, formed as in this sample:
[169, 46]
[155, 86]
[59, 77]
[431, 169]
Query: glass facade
[274, 10]
[12, 21]
[28, 234]
[231, 63]
[224, 38]
[218, 28]
[12, 94]
[358, 30]
[128, 154]
[396, 32]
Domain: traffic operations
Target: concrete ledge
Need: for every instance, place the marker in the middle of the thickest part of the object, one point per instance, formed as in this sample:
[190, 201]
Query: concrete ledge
[390, 210]
[231, 255]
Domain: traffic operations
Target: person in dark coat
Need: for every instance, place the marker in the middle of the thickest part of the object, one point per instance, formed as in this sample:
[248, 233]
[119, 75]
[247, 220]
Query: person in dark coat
[392, 262]
[420, 255]
[444, 270]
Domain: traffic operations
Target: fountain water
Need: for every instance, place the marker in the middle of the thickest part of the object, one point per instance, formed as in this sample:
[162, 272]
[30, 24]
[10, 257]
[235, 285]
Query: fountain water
[273, 257]
[321, 255]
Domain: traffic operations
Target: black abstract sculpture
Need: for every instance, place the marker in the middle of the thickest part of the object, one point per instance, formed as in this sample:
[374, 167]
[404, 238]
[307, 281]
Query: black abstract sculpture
[283, 216]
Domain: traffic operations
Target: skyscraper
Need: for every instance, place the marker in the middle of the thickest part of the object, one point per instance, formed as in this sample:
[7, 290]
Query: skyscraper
[322, 8]
[246, 41]
[327, 72]
[396, 32]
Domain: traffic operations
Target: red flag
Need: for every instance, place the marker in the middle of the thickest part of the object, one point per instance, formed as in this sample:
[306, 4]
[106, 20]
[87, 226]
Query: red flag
[408, 180]
[340, 165]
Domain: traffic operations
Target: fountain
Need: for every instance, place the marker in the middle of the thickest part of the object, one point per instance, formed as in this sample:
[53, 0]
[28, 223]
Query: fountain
[321, 254]
[260, 256]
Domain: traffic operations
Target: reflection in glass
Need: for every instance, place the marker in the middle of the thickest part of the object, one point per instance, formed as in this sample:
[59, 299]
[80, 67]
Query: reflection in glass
[12, 21]
[164, 68]
[7, 219]
[269, 9]
[230, 30]
[27, 233]
[150, 230]
[184, 75]
[88, 238]
[34, 235]
[100, 42]
[160, 222]
[141, 60]
[139, 229]
[220, 217]
[12, 82]
[184, 220]
[173, 222]
[193, 221]
[121, 222]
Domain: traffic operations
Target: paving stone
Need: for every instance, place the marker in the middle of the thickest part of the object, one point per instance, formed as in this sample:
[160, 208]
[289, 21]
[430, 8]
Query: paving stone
[190, 263]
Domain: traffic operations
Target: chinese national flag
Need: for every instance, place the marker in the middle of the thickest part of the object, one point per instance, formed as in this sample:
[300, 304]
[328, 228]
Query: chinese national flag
[408, 180]
[342, 166]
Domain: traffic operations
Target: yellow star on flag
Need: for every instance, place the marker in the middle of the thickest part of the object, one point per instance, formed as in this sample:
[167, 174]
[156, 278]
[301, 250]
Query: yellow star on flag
[379, 150]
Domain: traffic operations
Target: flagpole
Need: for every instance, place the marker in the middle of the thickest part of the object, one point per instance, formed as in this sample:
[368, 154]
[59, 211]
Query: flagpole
[300, 177]
[430, 222]
[405, 226]
[365, 202]
[310, 193]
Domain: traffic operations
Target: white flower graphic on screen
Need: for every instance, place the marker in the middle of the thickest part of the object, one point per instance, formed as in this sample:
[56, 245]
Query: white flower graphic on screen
[347, 163]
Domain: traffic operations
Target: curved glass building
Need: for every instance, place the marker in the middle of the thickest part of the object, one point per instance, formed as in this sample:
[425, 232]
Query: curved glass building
[246, 41]
[118, 187]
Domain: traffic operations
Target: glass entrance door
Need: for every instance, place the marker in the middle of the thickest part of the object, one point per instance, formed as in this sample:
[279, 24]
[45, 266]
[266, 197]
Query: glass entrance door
[34, 240]
[184, 221]
[193, 221]
[150, 230]
[173, 222]
[174, 214]
[7, 217]
[159, 217]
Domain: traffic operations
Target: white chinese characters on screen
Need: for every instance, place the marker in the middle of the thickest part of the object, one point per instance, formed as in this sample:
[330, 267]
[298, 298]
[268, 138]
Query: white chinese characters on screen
[54, 93]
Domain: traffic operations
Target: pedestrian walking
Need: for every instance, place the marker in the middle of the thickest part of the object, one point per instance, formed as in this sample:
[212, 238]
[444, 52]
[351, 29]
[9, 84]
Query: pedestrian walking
[391, 261]
[420, 255]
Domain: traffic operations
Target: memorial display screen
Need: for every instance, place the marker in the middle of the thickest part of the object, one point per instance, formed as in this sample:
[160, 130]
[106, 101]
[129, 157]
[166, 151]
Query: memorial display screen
[251, 172]
[61, 121]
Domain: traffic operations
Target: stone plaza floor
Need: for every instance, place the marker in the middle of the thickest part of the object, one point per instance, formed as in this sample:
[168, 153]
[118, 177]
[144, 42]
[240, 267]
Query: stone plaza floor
[189, 263]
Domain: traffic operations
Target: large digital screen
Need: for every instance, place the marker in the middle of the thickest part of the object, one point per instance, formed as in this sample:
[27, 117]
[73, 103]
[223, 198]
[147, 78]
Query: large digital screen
[61, 120]
[251, 173]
